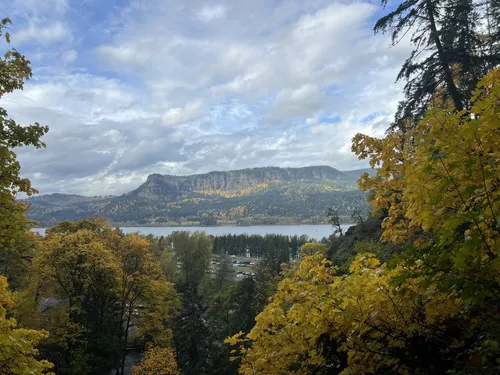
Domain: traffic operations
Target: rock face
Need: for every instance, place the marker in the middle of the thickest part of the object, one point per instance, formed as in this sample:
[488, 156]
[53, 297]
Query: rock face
[171, 187]
[243, 197]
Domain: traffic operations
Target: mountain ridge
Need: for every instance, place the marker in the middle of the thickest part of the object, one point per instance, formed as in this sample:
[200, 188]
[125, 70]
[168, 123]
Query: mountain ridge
[157, 185]
[265, 195]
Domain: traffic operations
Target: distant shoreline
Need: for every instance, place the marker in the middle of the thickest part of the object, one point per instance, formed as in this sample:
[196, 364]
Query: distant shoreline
[208, 226]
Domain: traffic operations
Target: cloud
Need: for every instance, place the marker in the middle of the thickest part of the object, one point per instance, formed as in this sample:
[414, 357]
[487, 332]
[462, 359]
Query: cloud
[210, 13]
[36, 7]
[182, 88]
[177, 116]
[302, 102]
[43, 35]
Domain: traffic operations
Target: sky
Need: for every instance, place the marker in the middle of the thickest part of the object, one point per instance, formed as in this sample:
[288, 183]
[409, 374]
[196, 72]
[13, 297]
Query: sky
[130, 88]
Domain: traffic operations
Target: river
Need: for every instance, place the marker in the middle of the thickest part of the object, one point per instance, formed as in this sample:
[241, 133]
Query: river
[312, 231]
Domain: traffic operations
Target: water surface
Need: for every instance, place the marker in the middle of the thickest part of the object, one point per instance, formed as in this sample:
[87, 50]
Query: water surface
[312, 231]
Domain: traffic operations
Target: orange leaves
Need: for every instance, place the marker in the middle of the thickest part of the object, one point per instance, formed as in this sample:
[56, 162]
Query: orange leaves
[235, 193]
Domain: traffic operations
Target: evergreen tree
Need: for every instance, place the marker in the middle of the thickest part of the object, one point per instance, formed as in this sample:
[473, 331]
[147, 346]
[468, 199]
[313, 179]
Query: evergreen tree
[424, 77]
[191, 337]
[224, 273]
[453, 49]
[464, 45]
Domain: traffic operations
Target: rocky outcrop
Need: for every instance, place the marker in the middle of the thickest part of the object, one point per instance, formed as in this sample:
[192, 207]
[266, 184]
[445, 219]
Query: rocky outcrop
[170, 187]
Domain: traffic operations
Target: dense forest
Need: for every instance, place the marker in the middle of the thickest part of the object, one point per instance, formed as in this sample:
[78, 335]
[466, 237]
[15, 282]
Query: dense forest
[413, 289]
[240, 197]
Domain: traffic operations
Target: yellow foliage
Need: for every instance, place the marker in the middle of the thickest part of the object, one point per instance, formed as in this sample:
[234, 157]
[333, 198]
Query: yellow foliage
[362, 313]
[17, 346]
[443, 175]
[235, 193]
[312, 248]
[157, 361]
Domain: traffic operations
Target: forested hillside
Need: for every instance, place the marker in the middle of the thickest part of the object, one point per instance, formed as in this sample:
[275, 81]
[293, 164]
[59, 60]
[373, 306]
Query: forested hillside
[243, 197]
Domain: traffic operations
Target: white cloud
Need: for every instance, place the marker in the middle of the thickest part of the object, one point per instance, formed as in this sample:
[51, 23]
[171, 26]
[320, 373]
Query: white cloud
[302, 102]
[37, 7]
[43, 34]
[170, 87]
[177, 116]
[209, 13]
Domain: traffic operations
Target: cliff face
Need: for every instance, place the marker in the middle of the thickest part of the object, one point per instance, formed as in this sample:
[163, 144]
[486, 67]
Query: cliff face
[244, 197]
[170, 187]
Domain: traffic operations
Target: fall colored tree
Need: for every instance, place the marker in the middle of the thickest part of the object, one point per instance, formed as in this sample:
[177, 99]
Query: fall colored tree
[157, 361]
[434, 308]
[143, 286]
[91, 286]
[312, 248]
[17, 345]
[442, 179]
[18, 351]
[14, 71]
[353, 324]
[78, 271]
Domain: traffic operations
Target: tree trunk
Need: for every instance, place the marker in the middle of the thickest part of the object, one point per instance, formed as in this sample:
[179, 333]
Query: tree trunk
[448, 77]
[127, 326]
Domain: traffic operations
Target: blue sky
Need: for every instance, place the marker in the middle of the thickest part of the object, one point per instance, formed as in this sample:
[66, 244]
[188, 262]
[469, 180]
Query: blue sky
[130, 88]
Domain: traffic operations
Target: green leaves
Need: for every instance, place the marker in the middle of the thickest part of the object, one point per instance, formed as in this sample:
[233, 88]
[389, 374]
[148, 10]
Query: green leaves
[14, 70]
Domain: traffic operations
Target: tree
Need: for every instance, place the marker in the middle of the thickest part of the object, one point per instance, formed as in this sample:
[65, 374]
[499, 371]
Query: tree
[230, 311]
[157, 361]
[441, 197]
[17, 345]
[312, 248]
[78, 269]
[334, 219]
[321, 323]
[492, 37]
[143, 286]
[14, 71]
[224, 273]
[448, 33]
[102, 286]
[465, 45]
[446, 179]
[424, 77]
[191, 337]
[15, 263]
[193, 253]
[357, 218]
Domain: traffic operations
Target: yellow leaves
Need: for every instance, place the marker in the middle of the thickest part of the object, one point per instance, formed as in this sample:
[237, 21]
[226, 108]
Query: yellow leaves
[312, 248]
[363, 262]
[5, 296]
[235, 339]
[454, 177]
[157, 361]
[443, 175]
[368, 319]
[17, 345]
[235, 193]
